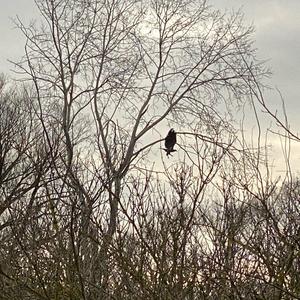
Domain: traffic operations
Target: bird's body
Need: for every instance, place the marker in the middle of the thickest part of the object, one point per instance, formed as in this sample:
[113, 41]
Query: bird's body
[170, 142]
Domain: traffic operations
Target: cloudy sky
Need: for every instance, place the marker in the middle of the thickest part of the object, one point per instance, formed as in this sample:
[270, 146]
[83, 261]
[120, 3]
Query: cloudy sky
[277, 24]
[277, 36]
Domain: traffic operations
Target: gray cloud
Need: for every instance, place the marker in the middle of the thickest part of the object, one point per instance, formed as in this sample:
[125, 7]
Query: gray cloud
[277, 36]
[12, 41]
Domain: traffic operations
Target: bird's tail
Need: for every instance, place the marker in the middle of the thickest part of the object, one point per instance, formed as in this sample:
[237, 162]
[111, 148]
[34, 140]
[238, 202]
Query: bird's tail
[169, 151]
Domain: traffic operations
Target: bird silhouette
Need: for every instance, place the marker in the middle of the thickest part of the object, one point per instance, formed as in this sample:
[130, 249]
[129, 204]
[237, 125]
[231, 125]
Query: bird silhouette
[170, 142]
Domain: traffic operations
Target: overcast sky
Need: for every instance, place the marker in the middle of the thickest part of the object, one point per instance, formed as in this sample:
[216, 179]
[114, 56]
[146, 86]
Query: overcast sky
[277, 36]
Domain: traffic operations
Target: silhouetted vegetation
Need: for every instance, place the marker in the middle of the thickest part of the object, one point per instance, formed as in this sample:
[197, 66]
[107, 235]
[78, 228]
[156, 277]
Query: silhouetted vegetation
[91, 208]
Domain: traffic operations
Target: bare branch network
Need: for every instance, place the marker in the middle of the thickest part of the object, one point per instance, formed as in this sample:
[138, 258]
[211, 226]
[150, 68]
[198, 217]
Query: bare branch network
[91, 207]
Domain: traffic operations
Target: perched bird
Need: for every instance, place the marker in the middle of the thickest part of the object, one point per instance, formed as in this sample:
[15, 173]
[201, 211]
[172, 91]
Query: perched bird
[170, 142]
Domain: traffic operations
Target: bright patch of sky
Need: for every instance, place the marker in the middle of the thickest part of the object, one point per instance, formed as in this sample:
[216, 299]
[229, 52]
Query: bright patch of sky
[277, 25]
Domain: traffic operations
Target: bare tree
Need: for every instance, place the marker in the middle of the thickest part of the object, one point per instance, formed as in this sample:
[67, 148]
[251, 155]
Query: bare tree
[96, 218]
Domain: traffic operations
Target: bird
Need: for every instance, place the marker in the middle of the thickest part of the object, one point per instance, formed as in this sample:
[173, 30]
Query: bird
[170, 142]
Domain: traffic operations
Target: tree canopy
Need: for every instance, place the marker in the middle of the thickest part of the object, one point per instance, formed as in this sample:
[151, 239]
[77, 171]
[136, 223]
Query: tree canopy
[90, 208]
